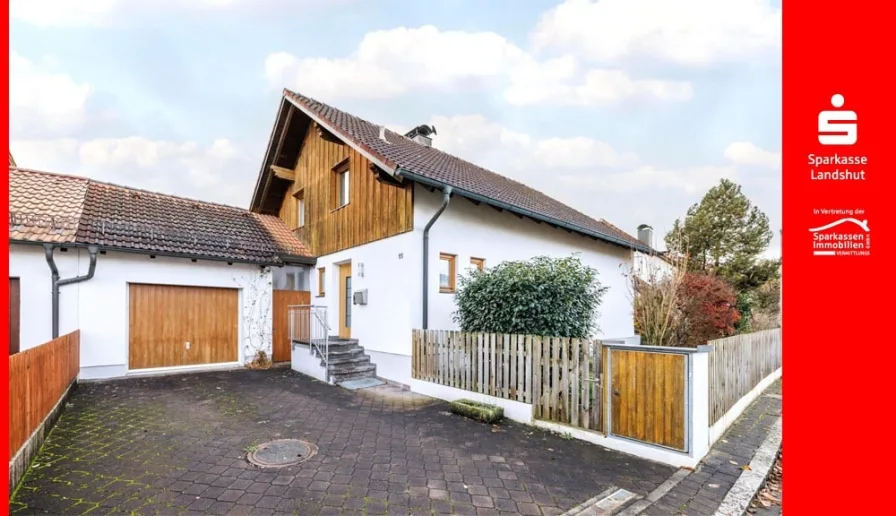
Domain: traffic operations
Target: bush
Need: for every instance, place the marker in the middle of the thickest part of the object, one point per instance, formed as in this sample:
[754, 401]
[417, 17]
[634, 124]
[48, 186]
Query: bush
[745, 309]
[768, 296]
[765, 320]
[708, 309]
[655, 301]
[557, 297]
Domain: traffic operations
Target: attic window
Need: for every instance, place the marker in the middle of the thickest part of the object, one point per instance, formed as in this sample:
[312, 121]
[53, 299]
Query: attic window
[340, 185]
[300, 208]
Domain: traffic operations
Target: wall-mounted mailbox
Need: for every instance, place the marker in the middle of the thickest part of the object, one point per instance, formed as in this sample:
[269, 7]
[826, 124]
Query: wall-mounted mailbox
[359, 297]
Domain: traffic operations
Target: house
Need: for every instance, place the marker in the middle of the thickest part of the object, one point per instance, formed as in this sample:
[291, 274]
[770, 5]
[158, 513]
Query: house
[154, 282]
[393, 221]
[654, 266]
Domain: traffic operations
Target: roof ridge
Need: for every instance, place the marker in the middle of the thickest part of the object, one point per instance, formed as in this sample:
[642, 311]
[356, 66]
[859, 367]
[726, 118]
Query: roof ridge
[426, 148]
[90, 180]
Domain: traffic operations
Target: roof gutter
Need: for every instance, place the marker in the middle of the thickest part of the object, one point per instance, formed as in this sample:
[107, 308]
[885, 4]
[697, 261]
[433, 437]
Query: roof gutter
[57, 282]
[446, 198]
[521, 211]
[291, 259]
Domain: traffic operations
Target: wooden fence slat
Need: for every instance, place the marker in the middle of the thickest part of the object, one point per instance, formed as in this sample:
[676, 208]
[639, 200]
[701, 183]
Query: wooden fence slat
[38, 377]
[536, 376]
[528, 369]
[737, 364]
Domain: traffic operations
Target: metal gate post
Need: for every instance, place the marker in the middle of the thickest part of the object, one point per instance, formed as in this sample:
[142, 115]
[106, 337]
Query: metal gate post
[609, 393]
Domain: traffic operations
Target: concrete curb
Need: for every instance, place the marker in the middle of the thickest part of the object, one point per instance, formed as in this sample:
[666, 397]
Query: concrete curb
[639, 506]
[750, 481]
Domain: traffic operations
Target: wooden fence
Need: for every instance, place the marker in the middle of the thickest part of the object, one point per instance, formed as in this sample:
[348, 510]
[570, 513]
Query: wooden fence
[560, 377]
[737, 364]
[38, 377]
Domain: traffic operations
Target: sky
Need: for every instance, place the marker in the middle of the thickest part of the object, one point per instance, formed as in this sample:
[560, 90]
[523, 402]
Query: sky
[627, 110]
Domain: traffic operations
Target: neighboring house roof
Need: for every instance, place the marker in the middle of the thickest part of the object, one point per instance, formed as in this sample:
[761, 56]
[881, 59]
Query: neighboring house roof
[12, 161]
[48, 207]
[403, 157]
[44, 207]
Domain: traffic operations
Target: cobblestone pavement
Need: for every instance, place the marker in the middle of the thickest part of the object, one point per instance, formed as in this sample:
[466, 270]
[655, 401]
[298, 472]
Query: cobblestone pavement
[702, 492]
[177, 445]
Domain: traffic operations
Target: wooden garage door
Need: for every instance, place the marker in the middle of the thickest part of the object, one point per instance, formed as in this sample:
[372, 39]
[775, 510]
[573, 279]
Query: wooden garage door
[179, 326]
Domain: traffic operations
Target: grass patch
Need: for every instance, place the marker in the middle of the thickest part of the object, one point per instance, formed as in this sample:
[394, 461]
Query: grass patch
[478, 411]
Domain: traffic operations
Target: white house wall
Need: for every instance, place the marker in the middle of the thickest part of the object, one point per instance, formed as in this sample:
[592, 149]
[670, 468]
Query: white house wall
[99, 306]
[27, 262]
[651, 268]
[390, 271]
[467, 230]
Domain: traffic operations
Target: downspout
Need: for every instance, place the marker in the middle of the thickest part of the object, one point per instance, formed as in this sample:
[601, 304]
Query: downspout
[48, 253]
[446, 197]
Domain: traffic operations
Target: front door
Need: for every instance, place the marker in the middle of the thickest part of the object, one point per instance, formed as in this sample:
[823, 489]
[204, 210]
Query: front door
[345, 301]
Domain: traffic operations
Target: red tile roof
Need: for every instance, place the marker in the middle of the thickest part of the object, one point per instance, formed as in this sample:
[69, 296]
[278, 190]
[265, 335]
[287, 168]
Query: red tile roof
[442, 168]
[44, 207]
[47, 207]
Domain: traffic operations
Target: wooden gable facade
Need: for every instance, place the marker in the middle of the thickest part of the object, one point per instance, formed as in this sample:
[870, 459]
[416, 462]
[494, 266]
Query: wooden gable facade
[306, 172]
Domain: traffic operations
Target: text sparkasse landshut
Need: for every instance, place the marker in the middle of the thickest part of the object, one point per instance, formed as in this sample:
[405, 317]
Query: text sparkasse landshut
[828, 168]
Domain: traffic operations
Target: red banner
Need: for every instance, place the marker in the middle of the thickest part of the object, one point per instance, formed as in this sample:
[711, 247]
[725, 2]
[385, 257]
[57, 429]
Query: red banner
[4, 495]
[837, 244]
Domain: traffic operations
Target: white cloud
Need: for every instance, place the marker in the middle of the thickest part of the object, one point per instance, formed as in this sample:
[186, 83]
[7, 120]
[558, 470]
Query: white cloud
[40, 99]
[49, 13]
[219, 172]
[558, 82]
[575, 161]
[749, 154]
[390, 63]
[686, 32]
[91, 13]
[596, 178]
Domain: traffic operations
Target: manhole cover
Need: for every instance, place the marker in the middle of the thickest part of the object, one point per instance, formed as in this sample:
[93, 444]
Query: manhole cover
[282, 452]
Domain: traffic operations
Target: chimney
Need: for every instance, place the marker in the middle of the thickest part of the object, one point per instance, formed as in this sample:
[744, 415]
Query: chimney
[645, 235]
[421, 134]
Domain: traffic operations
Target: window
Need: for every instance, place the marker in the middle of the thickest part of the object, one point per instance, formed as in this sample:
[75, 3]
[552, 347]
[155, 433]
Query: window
[340, 186]
[300, 208]
[447, 273]
[321, 282]
[291, 278]
[479, 263]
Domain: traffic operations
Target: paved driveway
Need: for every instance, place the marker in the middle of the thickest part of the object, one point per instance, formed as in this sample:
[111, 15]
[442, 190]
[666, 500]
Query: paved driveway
[177, 445]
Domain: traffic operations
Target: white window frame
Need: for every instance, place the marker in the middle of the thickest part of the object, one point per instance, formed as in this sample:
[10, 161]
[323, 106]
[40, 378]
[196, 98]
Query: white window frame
[342, 188]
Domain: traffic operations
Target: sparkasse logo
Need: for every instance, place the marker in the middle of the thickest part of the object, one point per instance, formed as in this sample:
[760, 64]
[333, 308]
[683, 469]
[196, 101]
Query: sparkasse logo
[838, 127]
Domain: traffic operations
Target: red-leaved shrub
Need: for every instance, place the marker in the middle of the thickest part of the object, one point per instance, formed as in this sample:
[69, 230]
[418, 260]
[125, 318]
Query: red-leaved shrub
[708, 309]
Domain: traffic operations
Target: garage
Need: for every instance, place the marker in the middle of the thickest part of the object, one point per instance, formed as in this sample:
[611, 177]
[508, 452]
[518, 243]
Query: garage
[171, 326]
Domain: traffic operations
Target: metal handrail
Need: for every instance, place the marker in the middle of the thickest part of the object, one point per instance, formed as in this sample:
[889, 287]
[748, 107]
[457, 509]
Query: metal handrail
[315, 342]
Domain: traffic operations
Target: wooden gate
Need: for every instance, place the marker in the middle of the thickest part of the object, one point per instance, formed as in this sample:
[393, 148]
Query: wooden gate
[282, 300]
[648, 396]
[179, 326]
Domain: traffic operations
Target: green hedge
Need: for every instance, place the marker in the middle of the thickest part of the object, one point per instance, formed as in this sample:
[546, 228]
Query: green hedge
[558, 297]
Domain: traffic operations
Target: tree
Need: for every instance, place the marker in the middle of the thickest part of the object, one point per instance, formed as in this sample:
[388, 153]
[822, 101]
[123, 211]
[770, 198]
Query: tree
[556, 297]
[708, 309]
[724, 233]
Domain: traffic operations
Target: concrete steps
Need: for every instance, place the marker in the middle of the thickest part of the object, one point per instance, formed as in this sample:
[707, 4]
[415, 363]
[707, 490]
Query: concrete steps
[347, 361]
